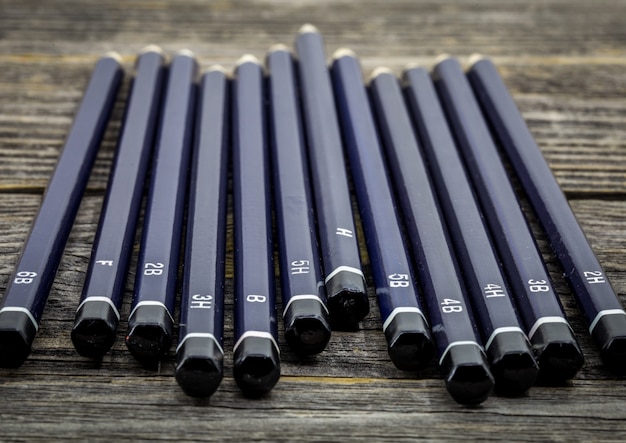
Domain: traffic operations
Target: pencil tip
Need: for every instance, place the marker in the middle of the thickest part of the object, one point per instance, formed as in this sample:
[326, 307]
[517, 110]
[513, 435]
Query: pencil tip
[152, 48]
[308, 28]
[115, 56]
[247, 58]
[343, 52]
[380, 71]
[278, 47]
[185, 52]
[411, 65]
[219, 68]
[442, 57]
[475, 58]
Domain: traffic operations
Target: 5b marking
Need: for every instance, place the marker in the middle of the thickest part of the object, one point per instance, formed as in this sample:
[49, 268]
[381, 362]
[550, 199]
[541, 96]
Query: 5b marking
[398, 280]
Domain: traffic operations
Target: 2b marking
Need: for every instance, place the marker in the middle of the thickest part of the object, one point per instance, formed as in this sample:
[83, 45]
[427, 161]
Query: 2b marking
[153, 269]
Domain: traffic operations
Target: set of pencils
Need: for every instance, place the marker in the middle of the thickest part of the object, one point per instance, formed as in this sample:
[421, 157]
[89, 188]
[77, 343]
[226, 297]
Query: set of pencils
[455, 268]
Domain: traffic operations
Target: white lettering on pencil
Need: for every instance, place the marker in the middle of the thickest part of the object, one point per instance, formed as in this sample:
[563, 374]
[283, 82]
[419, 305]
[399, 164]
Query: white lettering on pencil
[300, 267]
[344, 232]
[594, 277]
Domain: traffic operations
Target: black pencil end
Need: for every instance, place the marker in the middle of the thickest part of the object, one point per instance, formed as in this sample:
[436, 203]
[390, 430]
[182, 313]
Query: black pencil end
[256, 366]
[409, 342]
[557, 351]
[17, 333]
[513, 363]
[307, 327]
[347, 300]
[468, 378]
[149, 333]
[199, 366]
[94, 329]
[610, 335]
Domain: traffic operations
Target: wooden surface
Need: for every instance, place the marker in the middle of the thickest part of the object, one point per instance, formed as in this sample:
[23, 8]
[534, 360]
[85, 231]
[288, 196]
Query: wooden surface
[565, 63]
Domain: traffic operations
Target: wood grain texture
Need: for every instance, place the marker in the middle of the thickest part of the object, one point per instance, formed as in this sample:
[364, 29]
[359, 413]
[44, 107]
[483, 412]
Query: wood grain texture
[564, 62]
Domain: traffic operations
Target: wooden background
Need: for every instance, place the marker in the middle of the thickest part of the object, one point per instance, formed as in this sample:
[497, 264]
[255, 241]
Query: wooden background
[565, 63]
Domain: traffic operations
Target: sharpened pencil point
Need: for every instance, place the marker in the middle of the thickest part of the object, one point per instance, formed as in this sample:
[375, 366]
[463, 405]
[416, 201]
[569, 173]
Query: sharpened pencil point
[475, 58]
[442, 57]
[186, 52]
[380, 71]
[247, 58]
[115, 56]
[343, 52]
[219, 68]
[308, 28]
[152, 48]
[279, 47]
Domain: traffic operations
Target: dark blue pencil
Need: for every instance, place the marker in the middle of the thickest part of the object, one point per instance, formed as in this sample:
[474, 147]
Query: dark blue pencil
[591, 288]
[256, 358]
[200, 353]
[98, 313]
[510, 355]
[305, 316]
[29, 286]
[551, 336]
[406, 330]
[344, 280]
[150, 323]
[461, 356]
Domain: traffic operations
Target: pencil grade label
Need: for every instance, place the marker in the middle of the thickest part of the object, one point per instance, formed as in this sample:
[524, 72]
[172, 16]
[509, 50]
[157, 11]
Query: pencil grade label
[300, 267]
[153, 269]
[105, 262]
[255, 298]
[594, 277]
[538, 286]
[492, 290]
[450, 305]
[398, 280]
[199, 301]
[344, 232]
[24, 277]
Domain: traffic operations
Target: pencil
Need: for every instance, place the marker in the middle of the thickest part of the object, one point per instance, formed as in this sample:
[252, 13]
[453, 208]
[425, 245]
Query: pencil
[406, 330]
[151, 321]
[200, 351]
[256, 357]
[344, 279]
[29, 286]
[98, 313]
[305, 315]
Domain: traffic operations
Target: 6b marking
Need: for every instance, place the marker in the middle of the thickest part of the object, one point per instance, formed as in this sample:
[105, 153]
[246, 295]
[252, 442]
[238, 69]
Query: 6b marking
[24, 277]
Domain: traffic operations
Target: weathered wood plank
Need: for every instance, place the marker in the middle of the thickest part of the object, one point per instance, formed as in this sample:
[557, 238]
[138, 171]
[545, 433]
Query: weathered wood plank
[582, 137]
[564, 64]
